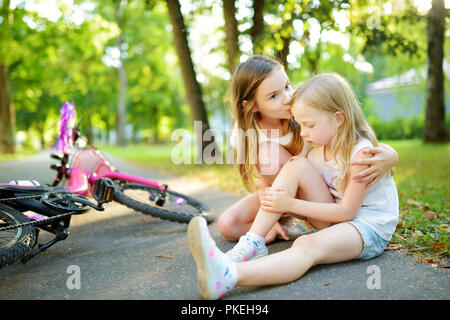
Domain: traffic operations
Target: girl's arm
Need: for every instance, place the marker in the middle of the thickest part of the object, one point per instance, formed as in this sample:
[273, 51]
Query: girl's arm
[278, 200]
[383, 159]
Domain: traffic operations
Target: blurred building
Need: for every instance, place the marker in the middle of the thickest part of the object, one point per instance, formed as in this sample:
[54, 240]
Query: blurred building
[403, 95]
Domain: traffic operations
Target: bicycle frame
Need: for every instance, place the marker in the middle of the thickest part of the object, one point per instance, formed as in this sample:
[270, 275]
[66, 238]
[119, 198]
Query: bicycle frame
[81, 175]
[49, 214]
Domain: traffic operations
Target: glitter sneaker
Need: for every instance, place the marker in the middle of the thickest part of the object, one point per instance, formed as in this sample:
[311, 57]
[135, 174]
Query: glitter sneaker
[247, 249]
[216, 272]
[295, 227]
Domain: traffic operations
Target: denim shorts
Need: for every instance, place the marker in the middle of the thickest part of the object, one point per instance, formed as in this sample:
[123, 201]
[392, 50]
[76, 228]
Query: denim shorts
[374, 245]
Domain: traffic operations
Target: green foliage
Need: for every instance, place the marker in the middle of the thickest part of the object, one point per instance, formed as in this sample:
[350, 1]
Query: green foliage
[70, 66]
[51, 62]
[402, 128]
[422, 177]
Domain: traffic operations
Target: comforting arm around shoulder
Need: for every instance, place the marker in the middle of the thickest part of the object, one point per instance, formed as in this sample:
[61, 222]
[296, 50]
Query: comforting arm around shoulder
[392, 153]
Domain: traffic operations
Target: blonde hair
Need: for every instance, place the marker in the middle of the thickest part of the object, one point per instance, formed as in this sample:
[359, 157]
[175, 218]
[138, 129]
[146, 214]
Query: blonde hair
[245, 81]
[330, 92]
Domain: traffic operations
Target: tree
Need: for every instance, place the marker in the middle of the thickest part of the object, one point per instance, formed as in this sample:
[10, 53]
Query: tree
[387, 33]
[231, 33]
[192, 87]
[121, 102]
[434, 130]
[257, 30]
[7, 112]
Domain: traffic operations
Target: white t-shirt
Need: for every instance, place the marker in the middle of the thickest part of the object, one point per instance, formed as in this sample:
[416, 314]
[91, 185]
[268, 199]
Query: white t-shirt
[380, 207]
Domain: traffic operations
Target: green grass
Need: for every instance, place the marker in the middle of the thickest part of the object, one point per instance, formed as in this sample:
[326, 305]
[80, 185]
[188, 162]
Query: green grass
[422, 177]
[16, 156]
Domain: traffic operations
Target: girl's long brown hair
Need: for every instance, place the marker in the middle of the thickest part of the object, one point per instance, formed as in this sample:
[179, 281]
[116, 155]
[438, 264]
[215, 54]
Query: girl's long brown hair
[245, 81]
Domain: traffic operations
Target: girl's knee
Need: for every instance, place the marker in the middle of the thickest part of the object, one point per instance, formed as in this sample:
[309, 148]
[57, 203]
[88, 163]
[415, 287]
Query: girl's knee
[306, 241]
[299, 163]
[227, 226]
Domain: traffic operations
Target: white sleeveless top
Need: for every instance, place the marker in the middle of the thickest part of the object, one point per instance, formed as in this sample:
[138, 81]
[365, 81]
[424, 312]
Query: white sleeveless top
[262, 137]
[380, 208]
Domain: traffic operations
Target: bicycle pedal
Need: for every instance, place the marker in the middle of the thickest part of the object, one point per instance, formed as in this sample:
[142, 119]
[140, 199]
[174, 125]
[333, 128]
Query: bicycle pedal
[103, 190]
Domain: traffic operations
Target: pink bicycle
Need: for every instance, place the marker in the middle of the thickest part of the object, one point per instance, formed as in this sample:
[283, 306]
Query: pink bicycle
[80, 167]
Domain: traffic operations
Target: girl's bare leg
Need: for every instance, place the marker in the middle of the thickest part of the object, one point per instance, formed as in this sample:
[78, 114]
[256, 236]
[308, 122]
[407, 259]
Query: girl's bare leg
[237, 220]
[298, 174]
[338, 243]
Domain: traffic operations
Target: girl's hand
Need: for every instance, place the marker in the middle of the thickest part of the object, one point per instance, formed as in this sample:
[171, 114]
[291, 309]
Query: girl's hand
[276, 230]
[276, 200]
[382, 160]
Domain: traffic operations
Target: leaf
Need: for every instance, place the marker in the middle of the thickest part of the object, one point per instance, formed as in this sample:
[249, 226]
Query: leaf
[411, 202]
[164, 256]
[417, 234]
[429, 260]
[441, 245]
[393, 247]
[431, 215]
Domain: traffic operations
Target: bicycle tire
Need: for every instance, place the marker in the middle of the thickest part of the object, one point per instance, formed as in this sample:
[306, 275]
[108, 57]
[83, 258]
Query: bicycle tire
[15, 243]
[172, 210]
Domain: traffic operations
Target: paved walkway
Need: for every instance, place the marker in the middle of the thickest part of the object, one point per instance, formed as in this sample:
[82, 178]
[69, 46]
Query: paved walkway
[116, 255]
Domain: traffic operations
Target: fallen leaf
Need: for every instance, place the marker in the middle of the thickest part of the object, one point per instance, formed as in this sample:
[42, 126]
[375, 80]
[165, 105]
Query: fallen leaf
[393, 246]
[429, 260]
[417, 234]
[431, 215]
[411, 202]
[441, 245]
[163, 256]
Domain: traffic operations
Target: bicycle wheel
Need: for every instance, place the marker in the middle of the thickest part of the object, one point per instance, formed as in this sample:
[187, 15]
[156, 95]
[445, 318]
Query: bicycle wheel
[177, 207]
[14, 243]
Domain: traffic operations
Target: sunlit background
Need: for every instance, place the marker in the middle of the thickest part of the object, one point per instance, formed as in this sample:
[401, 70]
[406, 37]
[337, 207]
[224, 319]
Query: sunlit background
[203, 30]
[82, 59]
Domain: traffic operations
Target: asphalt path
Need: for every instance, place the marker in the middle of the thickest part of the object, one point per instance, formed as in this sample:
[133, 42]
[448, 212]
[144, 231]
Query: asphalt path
[122, 254]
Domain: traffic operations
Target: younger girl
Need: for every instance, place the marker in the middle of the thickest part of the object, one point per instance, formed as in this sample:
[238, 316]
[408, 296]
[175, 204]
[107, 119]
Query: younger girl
[259, 96]
[333, 124]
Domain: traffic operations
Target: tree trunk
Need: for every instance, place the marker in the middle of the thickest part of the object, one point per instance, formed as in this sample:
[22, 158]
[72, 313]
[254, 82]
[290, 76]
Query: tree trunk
[121, 102]
[231, 33]
[7, 111]
[7, 114]
[435, 130]
[192, 87]
[258, 24]
[283, 53]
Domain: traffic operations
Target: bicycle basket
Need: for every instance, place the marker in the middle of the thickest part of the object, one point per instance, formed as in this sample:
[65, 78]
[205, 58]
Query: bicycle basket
[91, 160]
